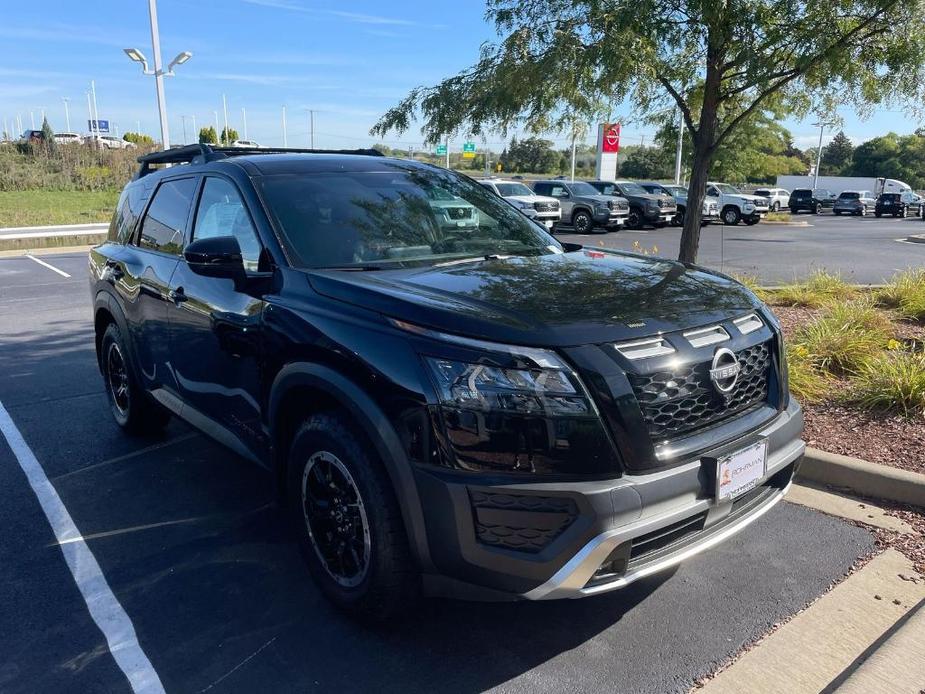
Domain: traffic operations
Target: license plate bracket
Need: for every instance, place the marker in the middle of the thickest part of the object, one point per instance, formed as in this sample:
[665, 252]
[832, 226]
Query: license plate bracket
[741, 470]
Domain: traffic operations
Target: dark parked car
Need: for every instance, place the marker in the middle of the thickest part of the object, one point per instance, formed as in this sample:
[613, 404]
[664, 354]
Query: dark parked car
[898, 205]
[655, 209]
[814, 201]
[584, 208]
[481, 414]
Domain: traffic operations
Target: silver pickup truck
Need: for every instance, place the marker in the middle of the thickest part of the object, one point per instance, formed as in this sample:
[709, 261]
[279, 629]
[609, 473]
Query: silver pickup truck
[583, 207]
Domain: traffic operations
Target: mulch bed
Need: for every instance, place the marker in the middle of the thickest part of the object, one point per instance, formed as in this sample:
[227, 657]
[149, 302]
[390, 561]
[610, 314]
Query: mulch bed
[879, 438]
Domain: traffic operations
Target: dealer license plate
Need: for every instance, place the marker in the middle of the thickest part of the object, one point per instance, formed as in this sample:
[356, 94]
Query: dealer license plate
[548, 223]
[741, 471]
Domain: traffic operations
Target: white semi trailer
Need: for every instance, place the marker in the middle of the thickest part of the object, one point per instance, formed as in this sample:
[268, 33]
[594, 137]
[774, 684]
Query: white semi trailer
[837, 184]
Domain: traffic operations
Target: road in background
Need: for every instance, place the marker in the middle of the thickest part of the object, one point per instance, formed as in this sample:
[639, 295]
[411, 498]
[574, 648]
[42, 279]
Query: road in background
[189, 541]
[863, 249]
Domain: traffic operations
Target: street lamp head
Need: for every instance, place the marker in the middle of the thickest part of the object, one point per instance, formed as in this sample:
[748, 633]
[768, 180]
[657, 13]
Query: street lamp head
[179, 60]
[137, 56]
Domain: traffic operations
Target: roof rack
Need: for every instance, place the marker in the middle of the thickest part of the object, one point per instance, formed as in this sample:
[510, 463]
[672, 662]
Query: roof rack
[200, 153]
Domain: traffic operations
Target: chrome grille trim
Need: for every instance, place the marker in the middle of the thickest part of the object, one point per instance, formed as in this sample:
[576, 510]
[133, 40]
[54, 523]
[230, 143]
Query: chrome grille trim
[643, 349]
[706, 336]
[748, 324]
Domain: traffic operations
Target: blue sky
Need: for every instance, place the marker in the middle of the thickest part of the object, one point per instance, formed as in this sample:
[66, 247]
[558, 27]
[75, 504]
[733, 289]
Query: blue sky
[349, 61]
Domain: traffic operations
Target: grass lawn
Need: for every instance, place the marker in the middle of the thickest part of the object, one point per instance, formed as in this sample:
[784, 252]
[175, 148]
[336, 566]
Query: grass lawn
[40, 207]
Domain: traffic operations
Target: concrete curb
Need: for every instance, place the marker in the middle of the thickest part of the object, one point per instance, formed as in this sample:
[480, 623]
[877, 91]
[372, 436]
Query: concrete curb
[786, 224]
[50, 229]
[863, 478]
[33, 242]
[916, 238]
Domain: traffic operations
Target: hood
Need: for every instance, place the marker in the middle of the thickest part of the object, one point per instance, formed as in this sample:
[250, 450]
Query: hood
[532, 198]
[581, 297]
[601, 198]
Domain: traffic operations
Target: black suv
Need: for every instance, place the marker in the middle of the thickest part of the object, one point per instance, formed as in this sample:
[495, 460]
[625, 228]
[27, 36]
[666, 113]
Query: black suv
[645, 208]
[814, 201]
[898, 205]
[480, 412]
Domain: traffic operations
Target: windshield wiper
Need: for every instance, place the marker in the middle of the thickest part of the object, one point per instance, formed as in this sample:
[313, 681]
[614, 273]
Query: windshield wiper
[473, 259]
[354, 268]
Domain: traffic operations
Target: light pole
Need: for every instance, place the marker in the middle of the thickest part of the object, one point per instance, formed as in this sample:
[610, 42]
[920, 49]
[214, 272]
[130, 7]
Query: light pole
[32, 118]
[96, 111]
[244, 120]
[217, 132]
[183, 118]
[67, 113]
[158, 72]
[225, 111]
[285, 139]
[311, 128]
[195, 132]
[821, 127]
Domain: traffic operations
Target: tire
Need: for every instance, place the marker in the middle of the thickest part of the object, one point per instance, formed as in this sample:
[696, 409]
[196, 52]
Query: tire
[817, 209]
[752, 221]
[132, 408]
[327, 455]
[678, 219]
[837, 213]
[863, 212]
[582, 222]
[878, 215]
[634, 220]
[731, 216]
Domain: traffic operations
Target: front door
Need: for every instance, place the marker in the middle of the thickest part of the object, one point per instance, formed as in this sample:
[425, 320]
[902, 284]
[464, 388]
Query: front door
[216, 328]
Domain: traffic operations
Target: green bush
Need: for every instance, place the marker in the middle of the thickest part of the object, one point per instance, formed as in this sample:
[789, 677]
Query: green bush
[751, 282]
[906, 293]
[891, 381]
[844, 336]
[819, 289]
[807, 381]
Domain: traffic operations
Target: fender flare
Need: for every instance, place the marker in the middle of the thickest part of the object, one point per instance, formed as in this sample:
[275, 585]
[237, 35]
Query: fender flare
[106, 301]
[378, 430]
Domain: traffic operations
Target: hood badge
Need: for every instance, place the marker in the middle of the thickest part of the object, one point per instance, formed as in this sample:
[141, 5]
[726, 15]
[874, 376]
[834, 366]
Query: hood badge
[636, 324]
[724, 371]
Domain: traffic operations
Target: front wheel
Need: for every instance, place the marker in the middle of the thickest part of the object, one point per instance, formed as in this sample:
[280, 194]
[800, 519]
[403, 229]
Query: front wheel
[347, 520]
[731, 216]
[752, 221]
[878, 215]
[634, 219]
[678, 219]
[582, 222]
[131, 407]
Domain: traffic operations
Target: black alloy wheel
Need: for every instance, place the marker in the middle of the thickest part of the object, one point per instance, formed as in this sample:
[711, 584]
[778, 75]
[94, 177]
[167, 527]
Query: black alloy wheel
[582, 222]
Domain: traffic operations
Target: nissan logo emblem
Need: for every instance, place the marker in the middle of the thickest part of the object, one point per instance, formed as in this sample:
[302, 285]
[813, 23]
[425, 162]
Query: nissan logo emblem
[724, 371]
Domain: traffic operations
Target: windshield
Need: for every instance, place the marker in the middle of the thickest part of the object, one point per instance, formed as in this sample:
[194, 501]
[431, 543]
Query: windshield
[630, 188]
[763, 193]
[582, 188]
[394, 218]
[848, 195]
[677, 190]
[726, 188]
[506, 190]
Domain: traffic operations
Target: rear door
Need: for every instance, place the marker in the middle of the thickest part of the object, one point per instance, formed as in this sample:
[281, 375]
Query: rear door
[216, 327]
[140, 273]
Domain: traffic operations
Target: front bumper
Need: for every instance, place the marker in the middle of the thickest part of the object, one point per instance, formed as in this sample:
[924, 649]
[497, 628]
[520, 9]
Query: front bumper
[546, 540]
[663, 215]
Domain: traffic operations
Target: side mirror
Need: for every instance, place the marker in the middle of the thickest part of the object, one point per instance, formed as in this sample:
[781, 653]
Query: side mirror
[219, 256]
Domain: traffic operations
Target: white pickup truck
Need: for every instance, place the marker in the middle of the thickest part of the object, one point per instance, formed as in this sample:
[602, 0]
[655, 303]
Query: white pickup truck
[735, 206]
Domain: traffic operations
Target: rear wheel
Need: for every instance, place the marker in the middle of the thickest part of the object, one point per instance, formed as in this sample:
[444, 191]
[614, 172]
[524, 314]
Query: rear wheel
[132, 407]
[634, 220]
[582, 222]
[348, 521]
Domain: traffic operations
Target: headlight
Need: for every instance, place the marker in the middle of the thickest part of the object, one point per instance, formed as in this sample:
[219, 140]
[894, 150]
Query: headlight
[602, 209]
[549, 391]
[652, 205]
[748, 206]
[522, 205]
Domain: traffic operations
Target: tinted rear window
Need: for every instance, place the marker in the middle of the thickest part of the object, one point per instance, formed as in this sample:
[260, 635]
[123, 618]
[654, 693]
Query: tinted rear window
[848, 195]
[164, 225]
[800, 193]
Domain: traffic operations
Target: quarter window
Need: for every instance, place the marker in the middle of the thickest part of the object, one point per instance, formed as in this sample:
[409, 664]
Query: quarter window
[165, 223]
[222, 213]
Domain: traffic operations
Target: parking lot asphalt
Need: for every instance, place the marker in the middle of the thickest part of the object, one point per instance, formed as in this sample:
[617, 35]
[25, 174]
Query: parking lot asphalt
[863, 249]
[187, 538]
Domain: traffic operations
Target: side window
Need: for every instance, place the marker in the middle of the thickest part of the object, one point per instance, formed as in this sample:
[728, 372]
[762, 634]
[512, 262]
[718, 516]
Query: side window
[131, 204]
[164, 225]
[542, 188]
[557, 192]
[712, 191]
[222, 213]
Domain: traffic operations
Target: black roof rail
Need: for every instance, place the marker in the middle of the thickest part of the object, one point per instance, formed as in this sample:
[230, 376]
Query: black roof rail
[189, 154]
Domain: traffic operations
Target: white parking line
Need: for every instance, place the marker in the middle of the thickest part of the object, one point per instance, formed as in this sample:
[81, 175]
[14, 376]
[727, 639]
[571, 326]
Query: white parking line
[103, 606]
[48, 265]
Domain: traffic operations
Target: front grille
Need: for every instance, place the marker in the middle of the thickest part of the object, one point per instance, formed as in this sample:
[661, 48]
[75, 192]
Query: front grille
[459, 212]
[680, 401]
[612, 204]
[520, 522]
[546, 206]
[644, 546]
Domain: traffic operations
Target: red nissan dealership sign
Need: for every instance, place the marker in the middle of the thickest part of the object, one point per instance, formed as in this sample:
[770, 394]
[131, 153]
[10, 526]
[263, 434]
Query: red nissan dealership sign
[611, 138]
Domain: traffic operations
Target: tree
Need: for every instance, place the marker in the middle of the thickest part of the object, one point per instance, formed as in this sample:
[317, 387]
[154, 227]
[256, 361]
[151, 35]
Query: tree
[229, 135]
[892, 156]
[716, 62]
[836, 156]
[646, 162]
[533, 155]
[138, 138]
[48, 136]
[208, 135]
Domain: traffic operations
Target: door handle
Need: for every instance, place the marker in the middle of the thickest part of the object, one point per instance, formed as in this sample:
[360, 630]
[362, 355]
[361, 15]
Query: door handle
[115, 271]
[177, 296]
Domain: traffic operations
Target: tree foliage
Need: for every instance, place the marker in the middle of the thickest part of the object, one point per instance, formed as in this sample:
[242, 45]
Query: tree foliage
[892, 156]
[229, 135]
[531, 155]
[138, 138]
[836, 156]
[48, 136]
[208, 135]
[718, 62]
